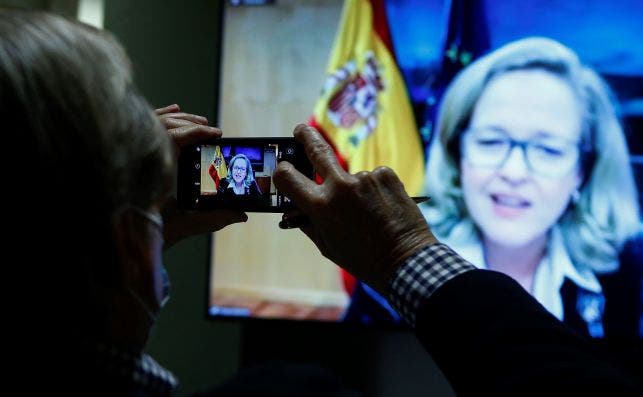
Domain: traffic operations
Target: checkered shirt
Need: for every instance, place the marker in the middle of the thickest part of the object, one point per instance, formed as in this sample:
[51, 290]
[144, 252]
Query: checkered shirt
[140, 369]
[421, 275]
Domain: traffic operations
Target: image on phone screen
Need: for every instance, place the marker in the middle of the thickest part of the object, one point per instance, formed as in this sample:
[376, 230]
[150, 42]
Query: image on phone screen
[238, 173]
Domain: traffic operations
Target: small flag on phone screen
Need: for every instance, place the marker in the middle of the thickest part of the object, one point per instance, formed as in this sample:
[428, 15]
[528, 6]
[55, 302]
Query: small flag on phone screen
[217, 169]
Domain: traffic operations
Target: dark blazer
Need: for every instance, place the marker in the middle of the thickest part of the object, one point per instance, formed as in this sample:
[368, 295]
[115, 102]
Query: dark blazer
[490, 338]
[251, 192]
[619, 314]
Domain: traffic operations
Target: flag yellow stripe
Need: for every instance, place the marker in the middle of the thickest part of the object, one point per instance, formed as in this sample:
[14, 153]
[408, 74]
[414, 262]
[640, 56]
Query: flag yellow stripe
[394, 142]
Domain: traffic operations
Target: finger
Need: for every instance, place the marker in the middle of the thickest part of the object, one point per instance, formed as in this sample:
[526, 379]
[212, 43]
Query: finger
[319, 153]
[193, 133]
[388, 178]
[295, 185]
[170, 122]
[167, 109]
[186, 116]
[313, 235]
[294, 221]
[212, 221]
[291, 213]
[182, 224]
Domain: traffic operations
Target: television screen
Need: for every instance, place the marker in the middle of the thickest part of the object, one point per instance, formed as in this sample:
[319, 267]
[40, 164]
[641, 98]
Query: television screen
[534, 173]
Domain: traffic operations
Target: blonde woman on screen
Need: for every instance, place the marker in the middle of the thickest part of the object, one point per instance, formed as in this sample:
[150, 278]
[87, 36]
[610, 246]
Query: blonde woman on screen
[529, 175]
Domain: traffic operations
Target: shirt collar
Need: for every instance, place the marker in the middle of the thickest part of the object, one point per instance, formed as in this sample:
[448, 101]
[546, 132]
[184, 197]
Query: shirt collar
[548, 278]
[135, 368]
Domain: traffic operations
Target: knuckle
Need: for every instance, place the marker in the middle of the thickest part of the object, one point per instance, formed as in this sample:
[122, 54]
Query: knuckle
[300, 128]
[383, 172]
[281, 172]
[347, 182]
[362, 175]
[318, 152]
[386, 175]
[318, 203]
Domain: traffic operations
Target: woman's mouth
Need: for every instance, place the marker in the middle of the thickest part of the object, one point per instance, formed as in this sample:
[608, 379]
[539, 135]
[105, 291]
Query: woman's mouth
[509, 206]
[510, 201]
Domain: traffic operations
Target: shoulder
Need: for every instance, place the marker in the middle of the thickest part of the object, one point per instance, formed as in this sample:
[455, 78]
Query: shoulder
[623, 294]
[482, 323]
[253, 189]
[224, 187]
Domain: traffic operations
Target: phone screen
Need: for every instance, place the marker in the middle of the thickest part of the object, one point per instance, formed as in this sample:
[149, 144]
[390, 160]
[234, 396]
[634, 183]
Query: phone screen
[237, 173]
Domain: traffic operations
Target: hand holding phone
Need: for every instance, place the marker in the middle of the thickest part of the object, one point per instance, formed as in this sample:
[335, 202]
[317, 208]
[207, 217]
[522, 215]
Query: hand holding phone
[236, 173]
[365, 222]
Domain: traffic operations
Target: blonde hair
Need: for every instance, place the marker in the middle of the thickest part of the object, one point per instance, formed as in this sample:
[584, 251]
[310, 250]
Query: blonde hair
[606, 214]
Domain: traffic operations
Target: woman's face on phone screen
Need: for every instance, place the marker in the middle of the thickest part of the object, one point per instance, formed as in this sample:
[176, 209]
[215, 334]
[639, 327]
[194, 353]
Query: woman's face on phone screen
[239, 170]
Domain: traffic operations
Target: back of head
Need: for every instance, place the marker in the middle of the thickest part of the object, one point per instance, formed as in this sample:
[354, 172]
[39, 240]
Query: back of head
[90, 144]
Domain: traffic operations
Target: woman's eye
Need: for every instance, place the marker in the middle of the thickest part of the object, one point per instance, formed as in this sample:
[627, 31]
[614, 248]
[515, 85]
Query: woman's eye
[489, 142]
[549, 150]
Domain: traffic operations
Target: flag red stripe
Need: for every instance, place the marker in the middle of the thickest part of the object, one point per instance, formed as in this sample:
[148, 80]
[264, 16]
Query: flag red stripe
[342, 161]
[214, 175]
[380, 24]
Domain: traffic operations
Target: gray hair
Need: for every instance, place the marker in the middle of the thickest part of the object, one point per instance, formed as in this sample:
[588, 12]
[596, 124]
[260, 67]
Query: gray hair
[607, 212]
[94, 144]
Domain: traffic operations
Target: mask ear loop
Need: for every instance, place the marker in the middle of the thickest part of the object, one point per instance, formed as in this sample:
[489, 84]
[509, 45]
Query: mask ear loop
[150, 314]
[166, 286]
[157, 221]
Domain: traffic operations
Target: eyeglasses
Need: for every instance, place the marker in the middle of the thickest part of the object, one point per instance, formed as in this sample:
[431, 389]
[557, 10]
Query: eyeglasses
[545, 156]
[239, 169]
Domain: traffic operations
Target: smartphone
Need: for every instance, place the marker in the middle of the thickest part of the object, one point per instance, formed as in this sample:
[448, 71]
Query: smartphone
[237, 173]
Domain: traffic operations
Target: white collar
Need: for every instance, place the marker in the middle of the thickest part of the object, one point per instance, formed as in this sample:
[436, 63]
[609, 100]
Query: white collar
[548, 279]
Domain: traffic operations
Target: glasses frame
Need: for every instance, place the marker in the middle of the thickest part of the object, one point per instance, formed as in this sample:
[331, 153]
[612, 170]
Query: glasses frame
[523, 145]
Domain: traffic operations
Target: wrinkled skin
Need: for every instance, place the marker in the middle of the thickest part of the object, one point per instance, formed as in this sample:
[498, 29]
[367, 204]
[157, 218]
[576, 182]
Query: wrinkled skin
[364, 222]
[187, 129]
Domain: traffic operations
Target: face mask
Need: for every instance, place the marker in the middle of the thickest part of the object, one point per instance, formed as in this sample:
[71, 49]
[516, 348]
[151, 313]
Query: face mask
[166, 286]
[157, 221]
[151, 314]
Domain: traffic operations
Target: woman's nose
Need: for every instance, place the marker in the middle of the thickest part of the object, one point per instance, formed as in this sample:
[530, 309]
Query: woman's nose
[515, 168]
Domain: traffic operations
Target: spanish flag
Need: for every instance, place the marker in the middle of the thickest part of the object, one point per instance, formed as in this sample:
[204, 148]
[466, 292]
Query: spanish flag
[364, 110]
[217, 169]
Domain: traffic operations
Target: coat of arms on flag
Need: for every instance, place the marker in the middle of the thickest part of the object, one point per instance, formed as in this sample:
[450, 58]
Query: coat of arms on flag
[354, 100]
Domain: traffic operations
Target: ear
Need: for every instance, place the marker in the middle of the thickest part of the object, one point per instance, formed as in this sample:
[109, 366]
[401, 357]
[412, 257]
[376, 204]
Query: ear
[132, 245]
